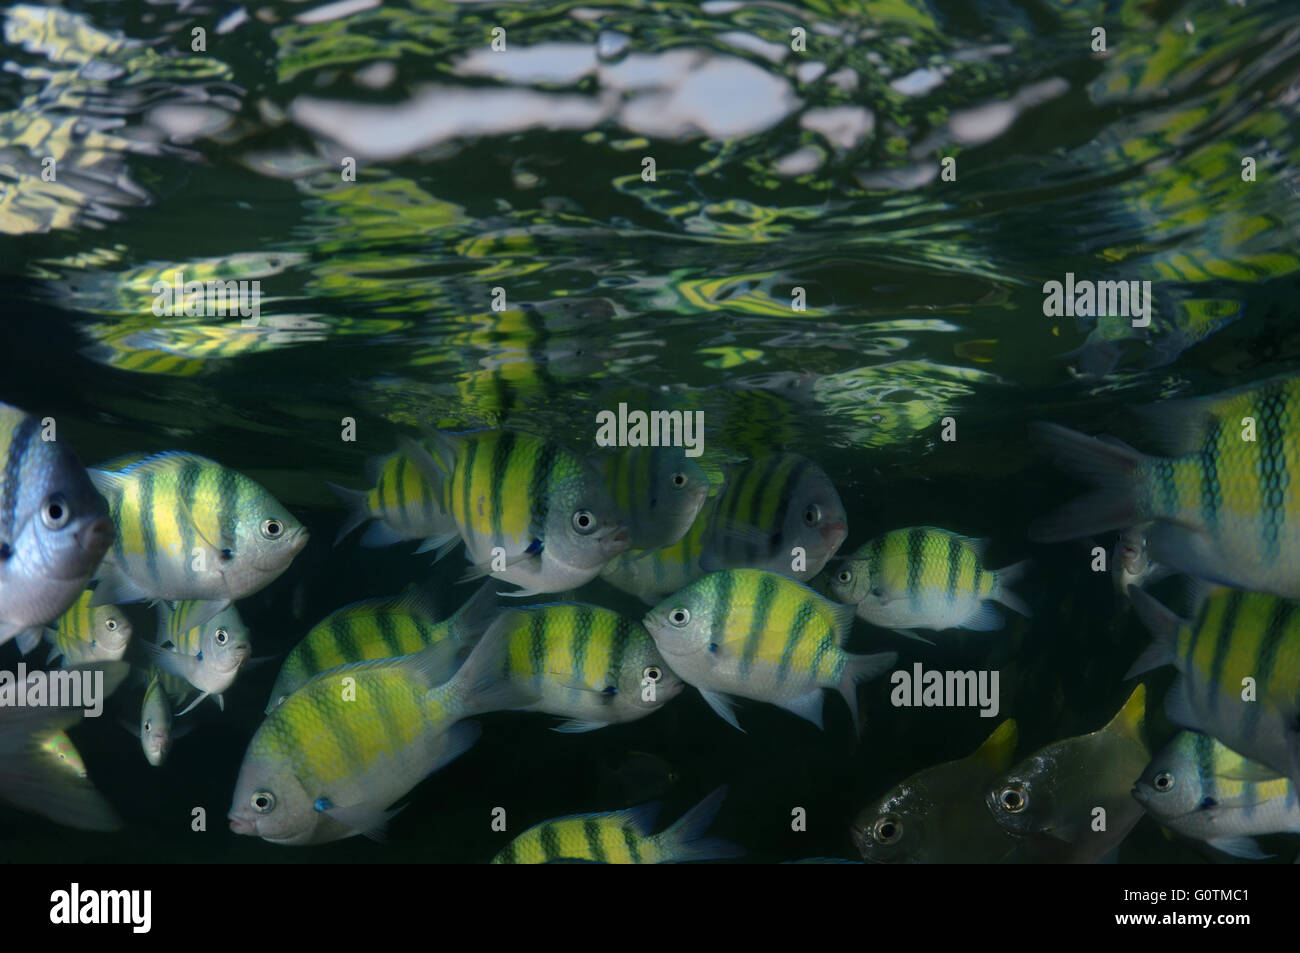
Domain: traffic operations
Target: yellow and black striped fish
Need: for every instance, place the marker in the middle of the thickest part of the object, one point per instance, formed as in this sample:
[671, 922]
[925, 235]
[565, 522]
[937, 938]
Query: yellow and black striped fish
[1238, 661]
[658, 491]
[84, 634]
[761, 635]
[402, 504]
[530, 512]
[924, 577]
[587, 664]
[779, 513]
[382, 628]
[1225, 507]
[653, 575]
[189, 529]
[622, 837]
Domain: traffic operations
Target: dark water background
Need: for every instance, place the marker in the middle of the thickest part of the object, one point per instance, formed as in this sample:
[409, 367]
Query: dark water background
[924, 301]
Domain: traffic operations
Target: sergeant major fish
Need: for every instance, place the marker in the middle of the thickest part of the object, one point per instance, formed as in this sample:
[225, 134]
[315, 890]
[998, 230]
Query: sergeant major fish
[84, 634]
[1224, 508]
[54, 527]
[769, 507]
[381, 628]
[586, 664]
[658, 490]
[1236, 636]
[543, 509]
[401, 502]
[926, 578]
[761, 635]
[327, 763]
[191, 530]
[208, 656]
[1203, 789]
[622, 837]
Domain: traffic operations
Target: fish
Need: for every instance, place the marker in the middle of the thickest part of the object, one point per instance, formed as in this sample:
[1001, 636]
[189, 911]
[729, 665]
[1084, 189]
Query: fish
[658, 490]
[192, 531]
[622, 837]
[329, 761]
[651, 576]
[763, 636]
[84, 634]
[937, 816]
[589, 665]
[769, 509]
[381, 628]
[54, 526]
[155, 721]
[543, 509]
[1057, 791]
[1222, 508]
[41, 771]
[1235, 636]
[208, 656]
[924, 577]
[401, 503]
[1131, 563]
[1202, 789]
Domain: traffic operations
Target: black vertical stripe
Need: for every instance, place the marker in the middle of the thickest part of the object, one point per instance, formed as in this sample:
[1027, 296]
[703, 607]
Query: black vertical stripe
[1222, 646]
[500, 465]
[539, 488]
[17, 456]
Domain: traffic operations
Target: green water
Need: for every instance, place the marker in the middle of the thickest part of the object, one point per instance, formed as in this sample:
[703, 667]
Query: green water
[522, 170]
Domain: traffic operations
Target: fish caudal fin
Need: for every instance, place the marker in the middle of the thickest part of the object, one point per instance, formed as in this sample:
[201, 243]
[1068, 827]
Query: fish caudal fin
[685, 840]
[1009, 577]
[358, 512]
[859, 668]
[1108, 464]
[1163, 626]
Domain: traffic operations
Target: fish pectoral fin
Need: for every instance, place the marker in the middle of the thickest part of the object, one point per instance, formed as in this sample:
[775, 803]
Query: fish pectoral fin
[173, 663]
[747, 534]
[114, 587]
[909, 634]
[481, 570]
[441, 545]
[723, 706]
[369, 821]
[575, 725]
[986, 618]
[192, 705]
[1245, 847]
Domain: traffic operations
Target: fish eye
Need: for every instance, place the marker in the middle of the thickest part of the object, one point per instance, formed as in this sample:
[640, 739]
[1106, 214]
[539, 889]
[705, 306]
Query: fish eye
[888, 830]
[584, 521]
[272, 529]
[845, 576]
[1013, 799]
[148, 726]
[222, 636]
[226, 555]
[263, 802]
[812, 515]
[679, 480]
[1164, 781]
[679, 616]
[110, 624]
[652, 673]
[55, 513]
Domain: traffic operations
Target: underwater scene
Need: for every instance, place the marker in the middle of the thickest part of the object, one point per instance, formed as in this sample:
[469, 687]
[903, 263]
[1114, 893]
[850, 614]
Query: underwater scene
[740, 431]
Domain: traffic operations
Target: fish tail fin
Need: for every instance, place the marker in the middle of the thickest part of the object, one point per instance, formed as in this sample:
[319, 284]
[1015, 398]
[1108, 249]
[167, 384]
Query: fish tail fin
[1109, 464]
[685, 840]
[358, 509]
[480, 683]
[1163, 626]
[859, 668]
[473, 618]
[1009, 577]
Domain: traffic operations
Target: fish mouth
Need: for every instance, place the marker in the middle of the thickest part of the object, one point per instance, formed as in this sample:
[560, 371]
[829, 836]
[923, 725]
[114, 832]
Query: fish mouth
[616, 538]
[835, 533]
[242, 825]
[299, 542]
[95, 537]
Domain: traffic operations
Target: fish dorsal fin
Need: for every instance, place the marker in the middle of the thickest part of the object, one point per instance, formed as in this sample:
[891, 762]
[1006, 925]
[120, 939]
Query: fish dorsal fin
[1131, 718]
[997, 749]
